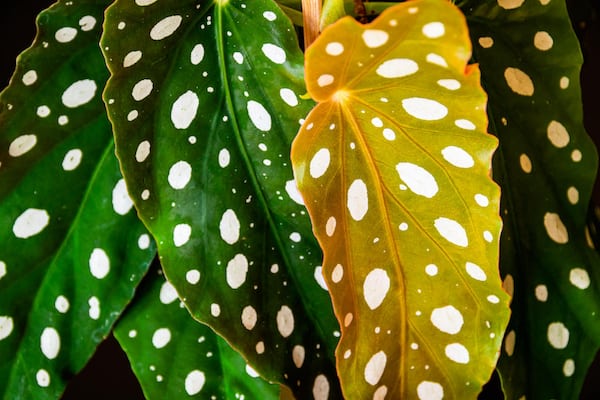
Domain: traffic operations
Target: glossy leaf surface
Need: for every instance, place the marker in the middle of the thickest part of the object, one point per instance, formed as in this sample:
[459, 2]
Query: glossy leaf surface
[393, 164]
[175, 356]
[72, 249]
[530, 63]
[204, 119]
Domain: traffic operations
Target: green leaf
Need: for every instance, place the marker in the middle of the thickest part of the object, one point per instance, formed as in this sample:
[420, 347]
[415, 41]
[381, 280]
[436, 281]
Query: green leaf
[205, 102]
[72, 248]
[393, 164]
[175, 356]
[530, 63]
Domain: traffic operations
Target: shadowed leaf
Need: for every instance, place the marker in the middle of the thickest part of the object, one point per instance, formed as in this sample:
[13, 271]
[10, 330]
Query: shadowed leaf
[530, 63]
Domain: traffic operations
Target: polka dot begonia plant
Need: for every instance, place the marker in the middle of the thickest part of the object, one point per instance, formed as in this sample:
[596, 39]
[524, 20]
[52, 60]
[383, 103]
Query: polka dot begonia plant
[390, 213]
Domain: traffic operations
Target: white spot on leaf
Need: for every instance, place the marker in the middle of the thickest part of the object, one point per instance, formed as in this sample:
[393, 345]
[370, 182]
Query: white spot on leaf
[475, 271]
[184, 110]
[161, 337]
[424, 109]
[197, 54]
[579, 278]
[375, 368]
[72, 159]
[6, 326]
[167, 294]
[79, 93]
[358, 200]
[543, 41]
[142, 89]
[418, 179]
[192, 276]
[289, 97]
[165, 27]
[29, 78]
[518, 81]
[320, 388]
[431, 270]
[450, 84]
[61, 304]
[298, 354]
[30, 223]
[557, 134]
[555, 228]
[42, 377]
[452, 231]
[237, 268]
[94, 308]
[510, 4]
[318, 275]
[50, 343]
[224, 158]
[458, 157]
[180, 175]
[274, 53]
[376, 287]
[121, 201]
[194, 382]
[131, 58]
[428, 390]
[457, 353]
[541, 293]
[99, 263]
[374, 38]
[319, 163]
[397, 68]
[337, 274]
[249, 317]
[434, 30]
[229, 227]
[558, 335]
[334, 48]
[65, 35]
[259, 116]
[285, 321]
[292, 190]
[181, 234]
[325, 80]
[22, 145]
[447, 319]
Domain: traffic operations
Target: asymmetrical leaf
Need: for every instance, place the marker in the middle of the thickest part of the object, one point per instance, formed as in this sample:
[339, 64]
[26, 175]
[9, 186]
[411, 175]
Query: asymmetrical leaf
[204, 120]
[530, 63]
[72, 249]
[175, 356]
[393, 165]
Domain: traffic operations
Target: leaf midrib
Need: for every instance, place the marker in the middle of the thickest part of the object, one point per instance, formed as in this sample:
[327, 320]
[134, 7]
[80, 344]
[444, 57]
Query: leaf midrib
[250, 168]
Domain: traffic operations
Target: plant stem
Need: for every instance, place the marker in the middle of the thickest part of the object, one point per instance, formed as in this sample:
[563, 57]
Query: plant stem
[360, 11]
[311, 13]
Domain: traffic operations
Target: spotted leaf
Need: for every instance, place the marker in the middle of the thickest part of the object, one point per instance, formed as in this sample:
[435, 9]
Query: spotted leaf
[393, 164]
[530, 63]
[174, 356]
[72, 247]
[204, 119]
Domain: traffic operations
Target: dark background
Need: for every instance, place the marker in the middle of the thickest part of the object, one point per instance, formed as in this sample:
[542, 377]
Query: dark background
[108, 376]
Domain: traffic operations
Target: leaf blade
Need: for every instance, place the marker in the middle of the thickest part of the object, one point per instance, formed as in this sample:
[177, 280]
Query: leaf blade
[68, 259]
[173, 355]
[381, 123]
[544, 155]
[219, 165]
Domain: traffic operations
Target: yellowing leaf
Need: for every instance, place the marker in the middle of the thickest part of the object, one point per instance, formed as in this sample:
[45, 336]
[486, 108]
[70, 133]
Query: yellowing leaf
[393, 164]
